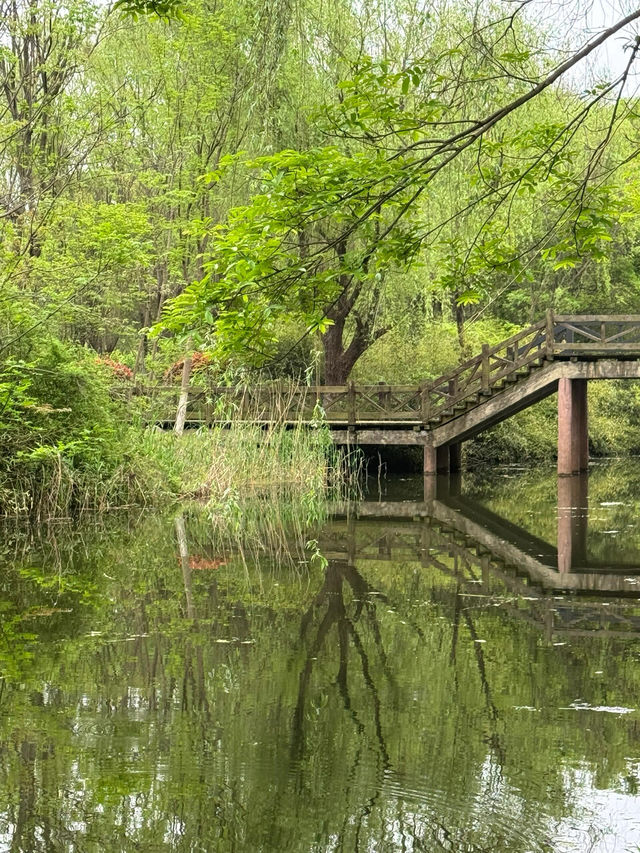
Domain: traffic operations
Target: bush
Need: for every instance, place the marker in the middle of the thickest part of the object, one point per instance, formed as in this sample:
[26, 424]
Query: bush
[65, 442]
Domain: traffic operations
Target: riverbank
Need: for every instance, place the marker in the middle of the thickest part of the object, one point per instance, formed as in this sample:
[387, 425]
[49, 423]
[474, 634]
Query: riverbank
[155, 468]
[73, 439]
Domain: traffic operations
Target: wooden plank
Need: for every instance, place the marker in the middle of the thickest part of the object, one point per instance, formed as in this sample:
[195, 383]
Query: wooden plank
[425, 405]
[352, 404]
[518, 336]
[381, 436]
[392, 389]
[607, 351]
[476, 361]
[576, 329]
[473, 390]
[631, 328]
[597, 318]
[411, 416]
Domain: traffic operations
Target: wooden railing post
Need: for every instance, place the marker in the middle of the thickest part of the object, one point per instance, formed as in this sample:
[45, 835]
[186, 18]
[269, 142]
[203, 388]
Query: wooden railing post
[485, 368]
[549, 336]
[384, 396]
[351, 403]
[425, 404]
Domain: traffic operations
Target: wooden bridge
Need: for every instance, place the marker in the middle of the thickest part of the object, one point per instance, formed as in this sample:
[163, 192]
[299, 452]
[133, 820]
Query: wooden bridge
[558, 354]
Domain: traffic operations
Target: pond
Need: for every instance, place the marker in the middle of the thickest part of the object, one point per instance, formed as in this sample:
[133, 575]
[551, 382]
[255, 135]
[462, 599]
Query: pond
[457, 674]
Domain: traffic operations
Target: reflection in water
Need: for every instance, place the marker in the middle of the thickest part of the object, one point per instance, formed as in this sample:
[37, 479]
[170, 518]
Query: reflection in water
[457, 673]
[571, 552]
[573, 515]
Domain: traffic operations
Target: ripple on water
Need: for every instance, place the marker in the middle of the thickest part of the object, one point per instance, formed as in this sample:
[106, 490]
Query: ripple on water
[493, 817]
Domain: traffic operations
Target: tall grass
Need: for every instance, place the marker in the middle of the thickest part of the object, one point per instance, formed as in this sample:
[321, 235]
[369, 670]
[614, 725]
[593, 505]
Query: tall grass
[272, 443]
[227, 465]
[56, 488]
[246, 459]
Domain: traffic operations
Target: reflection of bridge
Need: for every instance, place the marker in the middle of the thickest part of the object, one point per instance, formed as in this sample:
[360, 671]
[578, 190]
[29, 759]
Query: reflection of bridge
[487, 555]
[559, 353]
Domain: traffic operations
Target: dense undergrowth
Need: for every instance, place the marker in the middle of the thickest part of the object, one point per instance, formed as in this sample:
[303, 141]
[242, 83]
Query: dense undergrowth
[72, 438]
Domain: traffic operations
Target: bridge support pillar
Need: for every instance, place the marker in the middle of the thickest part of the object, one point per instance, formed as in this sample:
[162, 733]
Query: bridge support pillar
[436, 459]
[455, 457]
[573, 438]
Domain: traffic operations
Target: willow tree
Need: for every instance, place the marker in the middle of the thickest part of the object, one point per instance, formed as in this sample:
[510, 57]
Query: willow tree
[329, 223]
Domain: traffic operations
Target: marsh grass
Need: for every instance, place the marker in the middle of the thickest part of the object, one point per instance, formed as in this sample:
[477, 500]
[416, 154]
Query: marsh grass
[55, 488]
[245, 458]
[272, 445]
[233, 462]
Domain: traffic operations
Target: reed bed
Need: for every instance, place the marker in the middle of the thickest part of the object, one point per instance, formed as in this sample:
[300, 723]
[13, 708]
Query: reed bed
[274, 444]
[240, 458]
[245, 459]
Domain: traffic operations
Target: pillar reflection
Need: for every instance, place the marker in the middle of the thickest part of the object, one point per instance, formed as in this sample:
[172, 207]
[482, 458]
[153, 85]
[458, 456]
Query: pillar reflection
[573, 517]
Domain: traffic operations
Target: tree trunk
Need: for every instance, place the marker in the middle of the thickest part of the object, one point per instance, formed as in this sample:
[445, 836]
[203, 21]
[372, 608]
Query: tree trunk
[336, 370]
[181, 414]
[183, 550]
[339, 360]
[459, 315]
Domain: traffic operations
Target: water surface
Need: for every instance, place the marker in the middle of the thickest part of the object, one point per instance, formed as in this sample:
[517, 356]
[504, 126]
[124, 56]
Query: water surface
[452, 675]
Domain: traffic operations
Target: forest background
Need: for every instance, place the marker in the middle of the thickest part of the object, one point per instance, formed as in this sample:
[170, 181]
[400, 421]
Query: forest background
[309, 189]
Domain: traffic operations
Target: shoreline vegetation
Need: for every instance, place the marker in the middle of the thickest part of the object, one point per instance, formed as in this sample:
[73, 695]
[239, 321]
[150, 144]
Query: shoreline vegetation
[200, 193]
[73, 439]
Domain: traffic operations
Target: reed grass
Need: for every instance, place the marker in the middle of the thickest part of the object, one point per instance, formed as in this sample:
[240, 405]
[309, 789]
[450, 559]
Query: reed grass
[56, 489]
[245, 458]
[227, 465]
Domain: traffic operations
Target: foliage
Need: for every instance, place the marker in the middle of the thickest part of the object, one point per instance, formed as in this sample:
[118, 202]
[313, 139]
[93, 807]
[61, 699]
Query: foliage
[65, 445]
[161, 8]
[227, 466]
[327, 223]
[302, 183]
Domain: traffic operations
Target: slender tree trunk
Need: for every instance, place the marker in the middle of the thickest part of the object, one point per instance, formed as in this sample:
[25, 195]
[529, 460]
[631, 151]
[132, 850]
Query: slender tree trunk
[181, 414]
[139, 366]
[459, 315]
[336, 370]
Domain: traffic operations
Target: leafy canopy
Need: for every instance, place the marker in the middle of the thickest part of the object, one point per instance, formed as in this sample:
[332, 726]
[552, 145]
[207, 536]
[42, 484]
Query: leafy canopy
[161, 8]
[345, 214]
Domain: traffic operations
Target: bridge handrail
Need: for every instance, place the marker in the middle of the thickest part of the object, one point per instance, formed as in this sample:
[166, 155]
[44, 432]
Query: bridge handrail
[451, 388]
[433, 400]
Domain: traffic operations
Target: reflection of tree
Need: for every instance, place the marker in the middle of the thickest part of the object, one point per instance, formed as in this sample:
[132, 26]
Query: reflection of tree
[341, 583]
[343, 599]
[168, 742]
[345, 614]
[194, 676]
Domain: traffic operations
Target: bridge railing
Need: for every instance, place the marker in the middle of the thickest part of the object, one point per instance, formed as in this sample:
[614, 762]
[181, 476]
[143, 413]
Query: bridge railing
[596, 334]
[346, 405]
[421, 406]
[479, 375]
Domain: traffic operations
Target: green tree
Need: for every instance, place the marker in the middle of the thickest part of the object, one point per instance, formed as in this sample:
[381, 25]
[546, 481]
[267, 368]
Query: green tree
[330, 223]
